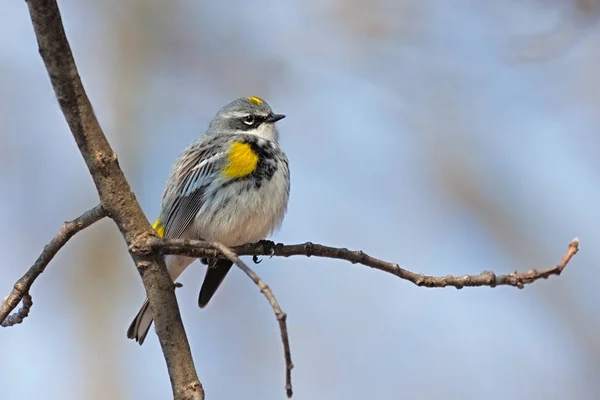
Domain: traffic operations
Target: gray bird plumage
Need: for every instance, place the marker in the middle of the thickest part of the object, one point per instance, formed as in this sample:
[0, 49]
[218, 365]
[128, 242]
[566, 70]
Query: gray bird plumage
[231, 186]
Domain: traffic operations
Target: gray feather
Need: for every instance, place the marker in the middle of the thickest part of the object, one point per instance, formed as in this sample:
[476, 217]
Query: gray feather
[194, 171]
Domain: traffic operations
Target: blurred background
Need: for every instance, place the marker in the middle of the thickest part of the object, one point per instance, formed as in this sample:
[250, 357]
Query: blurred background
[451, 137]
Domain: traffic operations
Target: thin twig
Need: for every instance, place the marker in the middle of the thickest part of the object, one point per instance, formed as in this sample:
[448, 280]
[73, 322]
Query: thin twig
[21, 289]
[517, 279]
[279, 314]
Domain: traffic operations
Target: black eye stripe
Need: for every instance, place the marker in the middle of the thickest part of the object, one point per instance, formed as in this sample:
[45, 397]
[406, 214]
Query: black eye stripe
[239, 124]
[259, 119]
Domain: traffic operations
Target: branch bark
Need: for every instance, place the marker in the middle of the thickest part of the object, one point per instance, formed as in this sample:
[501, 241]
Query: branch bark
[279, 314]
[116, 196]
[196, 248]
[21, 288]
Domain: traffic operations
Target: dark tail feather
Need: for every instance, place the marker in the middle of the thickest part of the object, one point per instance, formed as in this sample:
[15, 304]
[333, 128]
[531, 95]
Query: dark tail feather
[141, 324]
[215, 273]
[138, 330]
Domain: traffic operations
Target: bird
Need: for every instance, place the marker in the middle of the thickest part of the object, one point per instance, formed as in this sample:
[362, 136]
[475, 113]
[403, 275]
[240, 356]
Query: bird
[231, 186]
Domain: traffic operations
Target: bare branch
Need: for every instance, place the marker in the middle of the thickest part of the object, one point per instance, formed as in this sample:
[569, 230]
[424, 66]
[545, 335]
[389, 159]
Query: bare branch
[196, 248]
[23, 286]
[202, 249]
[279, 314]
[116, 195]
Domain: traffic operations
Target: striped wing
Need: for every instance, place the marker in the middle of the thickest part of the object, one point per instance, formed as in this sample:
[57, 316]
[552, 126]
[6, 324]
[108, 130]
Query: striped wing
[193, 172]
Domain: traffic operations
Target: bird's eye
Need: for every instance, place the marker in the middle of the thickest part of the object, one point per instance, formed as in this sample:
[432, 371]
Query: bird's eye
[248, 119]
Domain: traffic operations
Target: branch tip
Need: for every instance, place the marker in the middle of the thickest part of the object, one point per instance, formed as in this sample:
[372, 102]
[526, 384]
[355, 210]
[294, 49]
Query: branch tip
[266, 291]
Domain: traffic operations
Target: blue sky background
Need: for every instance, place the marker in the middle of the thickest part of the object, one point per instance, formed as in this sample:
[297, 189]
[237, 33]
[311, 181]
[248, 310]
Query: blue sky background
[450, 137]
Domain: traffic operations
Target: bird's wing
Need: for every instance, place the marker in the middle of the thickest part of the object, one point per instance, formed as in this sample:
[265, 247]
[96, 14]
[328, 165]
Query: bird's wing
[193, 172]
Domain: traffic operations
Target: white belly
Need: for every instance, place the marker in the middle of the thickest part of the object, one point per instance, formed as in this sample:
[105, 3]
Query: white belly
[239, 215]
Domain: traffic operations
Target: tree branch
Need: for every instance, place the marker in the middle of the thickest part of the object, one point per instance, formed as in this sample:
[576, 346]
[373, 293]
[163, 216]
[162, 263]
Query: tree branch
[21, 288]
[202, 249]
[116, 196]
[195, 248]
[279, 314]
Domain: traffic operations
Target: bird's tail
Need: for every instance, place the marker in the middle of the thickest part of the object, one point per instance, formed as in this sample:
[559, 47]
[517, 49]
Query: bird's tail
[215, 273]
[143, 320]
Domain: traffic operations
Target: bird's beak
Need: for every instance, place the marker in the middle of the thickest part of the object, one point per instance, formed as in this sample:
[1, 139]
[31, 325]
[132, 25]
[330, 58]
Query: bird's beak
[274, 117]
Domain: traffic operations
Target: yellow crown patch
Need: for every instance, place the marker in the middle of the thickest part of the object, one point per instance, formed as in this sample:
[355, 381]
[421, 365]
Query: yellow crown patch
[255, 100]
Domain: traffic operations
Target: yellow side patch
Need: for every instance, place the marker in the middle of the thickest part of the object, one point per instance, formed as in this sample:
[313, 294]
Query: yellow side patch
[159, 228]
[256, 100]
[242, 161]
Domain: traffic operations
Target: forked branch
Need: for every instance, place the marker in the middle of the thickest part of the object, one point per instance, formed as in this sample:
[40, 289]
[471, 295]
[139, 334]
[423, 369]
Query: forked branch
[21, 288]
[116, 196]
[202, 249]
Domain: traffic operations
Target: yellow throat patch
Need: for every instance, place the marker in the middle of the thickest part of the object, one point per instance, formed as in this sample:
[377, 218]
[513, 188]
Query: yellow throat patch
[242, 161]
[255, 100]
[159, 228]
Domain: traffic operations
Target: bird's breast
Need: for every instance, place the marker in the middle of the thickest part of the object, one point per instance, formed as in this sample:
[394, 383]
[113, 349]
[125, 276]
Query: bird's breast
[246, 210]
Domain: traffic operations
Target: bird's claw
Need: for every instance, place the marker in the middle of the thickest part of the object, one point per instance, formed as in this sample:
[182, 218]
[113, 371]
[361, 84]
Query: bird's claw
[255, 259]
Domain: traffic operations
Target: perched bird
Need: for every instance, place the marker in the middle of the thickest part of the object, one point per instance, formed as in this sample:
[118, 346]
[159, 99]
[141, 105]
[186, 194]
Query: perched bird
[230, 186]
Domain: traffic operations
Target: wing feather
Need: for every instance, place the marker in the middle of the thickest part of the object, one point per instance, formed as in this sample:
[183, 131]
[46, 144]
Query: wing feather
[193, 172]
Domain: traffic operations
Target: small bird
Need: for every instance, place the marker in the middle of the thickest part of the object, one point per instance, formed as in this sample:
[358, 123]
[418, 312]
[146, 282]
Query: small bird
[231, 186]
